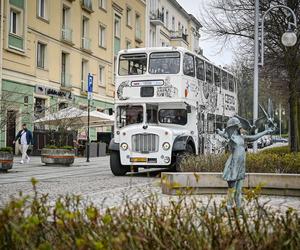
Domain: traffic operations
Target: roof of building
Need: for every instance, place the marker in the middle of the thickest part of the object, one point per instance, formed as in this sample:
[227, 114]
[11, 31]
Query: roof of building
[189, 16]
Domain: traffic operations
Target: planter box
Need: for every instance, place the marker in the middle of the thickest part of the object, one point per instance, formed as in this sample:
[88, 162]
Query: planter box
[208, 183]
[57, 156]
[6, 161]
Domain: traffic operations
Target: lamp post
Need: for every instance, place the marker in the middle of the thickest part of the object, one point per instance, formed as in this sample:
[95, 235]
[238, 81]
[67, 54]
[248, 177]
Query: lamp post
[280, 112]
[288, 39]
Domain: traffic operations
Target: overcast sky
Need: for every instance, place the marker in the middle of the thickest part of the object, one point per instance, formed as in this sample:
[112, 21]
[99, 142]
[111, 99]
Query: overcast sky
[211, 49]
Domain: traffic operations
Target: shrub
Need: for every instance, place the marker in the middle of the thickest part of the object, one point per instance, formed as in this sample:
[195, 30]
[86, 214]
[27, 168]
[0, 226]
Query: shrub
[6, 149]
[56, 147]
[276, 150]
[67, 147]
[70, 223]
[267, 161]
[51, 147]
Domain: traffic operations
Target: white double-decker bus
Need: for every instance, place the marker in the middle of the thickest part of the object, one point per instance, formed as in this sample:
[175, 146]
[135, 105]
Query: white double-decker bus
[168, 101]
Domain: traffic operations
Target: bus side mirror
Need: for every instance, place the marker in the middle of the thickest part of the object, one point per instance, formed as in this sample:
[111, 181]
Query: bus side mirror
[188, 109]
[110, 111]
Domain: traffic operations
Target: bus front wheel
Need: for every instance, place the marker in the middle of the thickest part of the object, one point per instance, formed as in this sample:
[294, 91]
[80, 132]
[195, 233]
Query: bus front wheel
[115, 164]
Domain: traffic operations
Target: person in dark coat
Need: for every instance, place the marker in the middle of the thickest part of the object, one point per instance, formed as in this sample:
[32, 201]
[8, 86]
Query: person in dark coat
[24, 137]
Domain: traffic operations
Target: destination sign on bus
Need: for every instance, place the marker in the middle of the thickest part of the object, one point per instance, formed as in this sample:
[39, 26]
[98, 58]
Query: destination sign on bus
[147, 83]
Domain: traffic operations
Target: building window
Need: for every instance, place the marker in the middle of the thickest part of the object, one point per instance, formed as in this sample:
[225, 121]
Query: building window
[102, 4]
[117, 34]
[117, 26]
[138, 28]
[14, 22]
[101, 75]
[128, 44]
[41, 54]
[163, 14]
[65, 77]
[66, 31]
[179, 26]
[62, 105]
[128, 16]
[84, 75]
[86, 41]
[173, 23]
[102, 36]
[167, 19]
[39, 107]
[42, 9]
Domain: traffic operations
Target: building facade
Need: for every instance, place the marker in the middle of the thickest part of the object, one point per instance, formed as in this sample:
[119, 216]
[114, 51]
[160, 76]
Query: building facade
[48, 48]
[168, 24]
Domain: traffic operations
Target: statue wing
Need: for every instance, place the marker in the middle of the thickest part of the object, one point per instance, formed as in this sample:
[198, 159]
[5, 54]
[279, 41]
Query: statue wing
[260, 121]
[245, 123]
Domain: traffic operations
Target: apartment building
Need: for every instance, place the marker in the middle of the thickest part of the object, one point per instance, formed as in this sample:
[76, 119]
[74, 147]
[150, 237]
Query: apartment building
[168, 24]
[48, 48]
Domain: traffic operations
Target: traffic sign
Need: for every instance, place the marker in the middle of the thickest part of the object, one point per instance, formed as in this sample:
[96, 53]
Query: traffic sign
[90, 85]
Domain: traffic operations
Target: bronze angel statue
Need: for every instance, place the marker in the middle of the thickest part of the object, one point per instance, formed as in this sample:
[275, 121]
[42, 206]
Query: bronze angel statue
[234, 171]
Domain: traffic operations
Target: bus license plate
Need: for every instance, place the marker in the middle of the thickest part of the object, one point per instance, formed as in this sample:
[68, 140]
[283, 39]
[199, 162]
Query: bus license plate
[138, 159]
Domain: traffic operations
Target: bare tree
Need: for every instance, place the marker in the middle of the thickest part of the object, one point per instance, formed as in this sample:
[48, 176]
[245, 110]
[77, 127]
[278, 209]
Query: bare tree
[231, 19]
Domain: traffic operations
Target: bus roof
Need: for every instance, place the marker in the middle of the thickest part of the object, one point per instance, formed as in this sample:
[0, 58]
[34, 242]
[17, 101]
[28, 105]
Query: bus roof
[149, 50]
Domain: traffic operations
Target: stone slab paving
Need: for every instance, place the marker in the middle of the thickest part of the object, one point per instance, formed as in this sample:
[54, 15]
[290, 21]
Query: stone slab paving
[95, 182]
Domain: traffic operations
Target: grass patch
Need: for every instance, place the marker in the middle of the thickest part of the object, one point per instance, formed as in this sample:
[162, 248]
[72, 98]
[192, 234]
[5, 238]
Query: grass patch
[70, 223]
[273, 160]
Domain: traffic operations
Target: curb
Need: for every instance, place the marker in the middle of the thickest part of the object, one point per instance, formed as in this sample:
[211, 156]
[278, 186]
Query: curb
[212, 183]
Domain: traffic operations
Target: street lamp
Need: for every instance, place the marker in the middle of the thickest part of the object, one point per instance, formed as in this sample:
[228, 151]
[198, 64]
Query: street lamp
[288, 39]
[279, 113]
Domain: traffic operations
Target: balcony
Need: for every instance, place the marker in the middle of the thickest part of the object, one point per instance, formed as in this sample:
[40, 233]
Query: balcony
[15, 42]
[87, 6]
[157, 17]
[86, 44]
[66, 81]
[66, 34]
[179, 35]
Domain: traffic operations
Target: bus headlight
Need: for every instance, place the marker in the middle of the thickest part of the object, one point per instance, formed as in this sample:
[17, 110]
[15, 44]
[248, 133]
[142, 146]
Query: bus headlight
[166, 146]
[124, 146]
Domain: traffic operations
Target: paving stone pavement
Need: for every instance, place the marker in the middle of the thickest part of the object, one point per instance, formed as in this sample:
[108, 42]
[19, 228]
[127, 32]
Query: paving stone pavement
[95, 182]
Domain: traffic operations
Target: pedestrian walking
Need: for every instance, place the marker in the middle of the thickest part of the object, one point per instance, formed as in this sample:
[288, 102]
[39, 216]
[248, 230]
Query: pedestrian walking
[24, 137]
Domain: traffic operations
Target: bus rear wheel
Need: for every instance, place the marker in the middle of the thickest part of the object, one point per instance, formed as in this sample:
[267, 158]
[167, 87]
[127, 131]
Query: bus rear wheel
[115, 165]
[181, 155]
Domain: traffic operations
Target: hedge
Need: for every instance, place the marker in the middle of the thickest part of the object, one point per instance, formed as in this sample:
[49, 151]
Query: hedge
[71, 223]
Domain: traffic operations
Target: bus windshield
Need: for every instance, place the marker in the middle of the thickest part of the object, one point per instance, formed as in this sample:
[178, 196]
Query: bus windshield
[164, 63]
[127, 115]
[132, 64]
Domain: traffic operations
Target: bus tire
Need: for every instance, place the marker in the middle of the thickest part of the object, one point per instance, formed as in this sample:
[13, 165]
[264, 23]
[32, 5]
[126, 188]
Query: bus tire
[180, 156]
[115, 164]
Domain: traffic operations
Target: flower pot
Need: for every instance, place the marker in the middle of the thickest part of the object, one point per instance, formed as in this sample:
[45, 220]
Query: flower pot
[6, 160]
[63, 157]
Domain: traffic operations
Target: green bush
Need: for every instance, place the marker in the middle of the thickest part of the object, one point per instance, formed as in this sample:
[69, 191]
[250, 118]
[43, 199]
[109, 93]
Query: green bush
[275, 160]
[6, 149]
[56, 147]
[276, 150]
[67, 147]
[70, 223]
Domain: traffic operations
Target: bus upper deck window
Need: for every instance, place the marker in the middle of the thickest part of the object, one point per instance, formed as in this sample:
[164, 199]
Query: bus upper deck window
[200, 69]
[209, 72]
[224, 80]
[188, 65]
[132, 64]
[164, 63]
[217, 76]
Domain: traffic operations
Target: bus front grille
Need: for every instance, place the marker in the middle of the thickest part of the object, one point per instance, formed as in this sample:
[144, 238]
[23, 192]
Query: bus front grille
[145, 143]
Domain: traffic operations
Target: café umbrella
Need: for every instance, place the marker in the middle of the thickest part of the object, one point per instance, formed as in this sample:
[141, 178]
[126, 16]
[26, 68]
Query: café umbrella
[76, 117]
